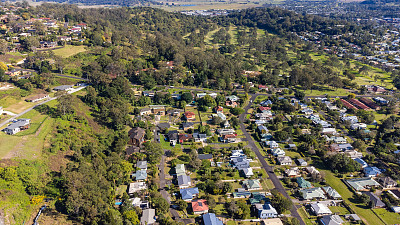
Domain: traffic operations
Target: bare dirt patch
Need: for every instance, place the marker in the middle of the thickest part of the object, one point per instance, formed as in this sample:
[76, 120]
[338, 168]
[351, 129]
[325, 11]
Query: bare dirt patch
[59, 159]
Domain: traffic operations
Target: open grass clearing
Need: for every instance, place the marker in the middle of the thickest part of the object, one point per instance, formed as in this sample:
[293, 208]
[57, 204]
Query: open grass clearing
[388, 217]
[69, 50]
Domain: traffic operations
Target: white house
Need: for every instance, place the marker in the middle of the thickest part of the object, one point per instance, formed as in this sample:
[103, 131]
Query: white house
[272, 144]
[266, 211]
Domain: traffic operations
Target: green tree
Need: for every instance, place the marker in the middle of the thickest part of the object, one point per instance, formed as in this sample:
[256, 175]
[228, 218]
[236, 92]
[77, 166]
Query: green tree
[131, 216]
[280, 203]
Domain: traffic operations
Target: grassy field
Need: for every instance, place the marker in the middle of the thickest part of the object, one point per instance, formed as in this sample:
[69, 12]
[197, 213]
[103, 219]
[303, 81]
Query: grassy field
[27, 144]
[366, 214]
[328, 90]
[69, 50]
[304, 216]
[388, 217]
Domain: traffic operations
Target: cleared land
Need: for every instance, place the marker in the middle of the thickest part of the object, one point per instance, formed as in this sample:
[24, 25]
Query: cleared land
[69, 50]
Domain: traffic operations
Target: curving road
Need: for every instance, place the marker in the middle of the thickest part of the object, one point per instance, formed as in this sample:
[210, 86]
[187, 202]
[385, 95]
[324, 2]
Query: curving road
[269, 169]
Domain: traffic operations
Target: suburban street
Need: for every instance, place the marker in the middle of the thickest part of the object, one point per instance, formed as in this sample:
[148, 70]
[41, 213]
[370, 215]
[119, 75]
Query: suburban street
[269, 169]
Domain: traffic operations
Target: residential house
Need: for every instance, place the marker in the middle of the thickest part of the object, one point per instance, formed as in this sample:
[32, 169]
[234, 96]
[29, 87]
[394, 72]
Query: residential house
[173, 137]
[331, 193]
[334, 147]
[395, 209]
[352, 217]
[312, 193]
[158, 110]
[228, 138]
[221, 115]
[266, 211]
[292, 146]
[345, 147]
[381, 100]
[163, 126]
[37, 98]
[387, 182]
[232, 98]
[148, 217]
[199, 206]
[225, 131]
[262, 87]
[362, 163]
[262, 129]
[292, 172]
[140, 175]
[148, 93]
[17, 126]
[219, 109]
[266, 103]
[188, 194]
[371, 171]
[331, 220]
[284, 160]
[136, 186]
[247, 172]
[258, 198]
[47, 44]
[376, 201]
[353, 154]
[189, 115]
[312, 170]
[240, 162]
[176, 96]
[136, 136]
[320, 209]
[187, 126]
[211, 219]
[141, 165]
[180, 170]
[145, 111]
[185, 137]
[362, 184]
[301, 162]
[358, 126]
[184, 181]
[174, 112]
[278, 152]
[226, 124]
[241, 194]
[336, 139]
[63, 88]
[231, 104]
[307, 111]
[272, 144]
[331, 131]
[265, 116]
[208, 157]
[252, 185]
[264, 109]
[303, 183]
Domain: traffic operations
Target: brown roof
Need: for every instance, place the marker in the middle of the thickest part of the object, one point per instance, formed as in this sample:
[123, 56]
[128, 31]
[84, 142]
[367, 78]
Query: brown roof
[136, 133]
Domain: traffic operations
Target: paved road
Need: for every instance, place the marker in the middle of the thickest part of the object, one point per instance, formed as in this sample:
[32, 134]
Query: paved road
[20, 114]
[269, 169]
[48, 100]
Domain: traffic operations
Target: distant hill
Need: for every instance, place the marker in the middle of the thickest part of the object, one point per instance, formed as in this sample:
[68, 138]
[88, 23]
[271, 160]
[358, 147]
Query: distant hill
[105, 2]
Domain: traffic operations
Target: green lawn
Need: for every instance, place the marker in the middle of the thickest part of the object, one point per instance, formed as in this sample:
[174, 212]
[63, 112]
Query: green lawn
[304, 216]
[328, 90]
[366, 214]
[339, 210]
[388, 217]
[69, 50]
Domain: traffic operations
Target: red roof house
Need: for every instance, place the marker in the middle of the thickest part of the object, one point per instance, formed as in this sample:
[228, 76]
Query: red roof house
[189, 115]
[218, 109]
[199, 206]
